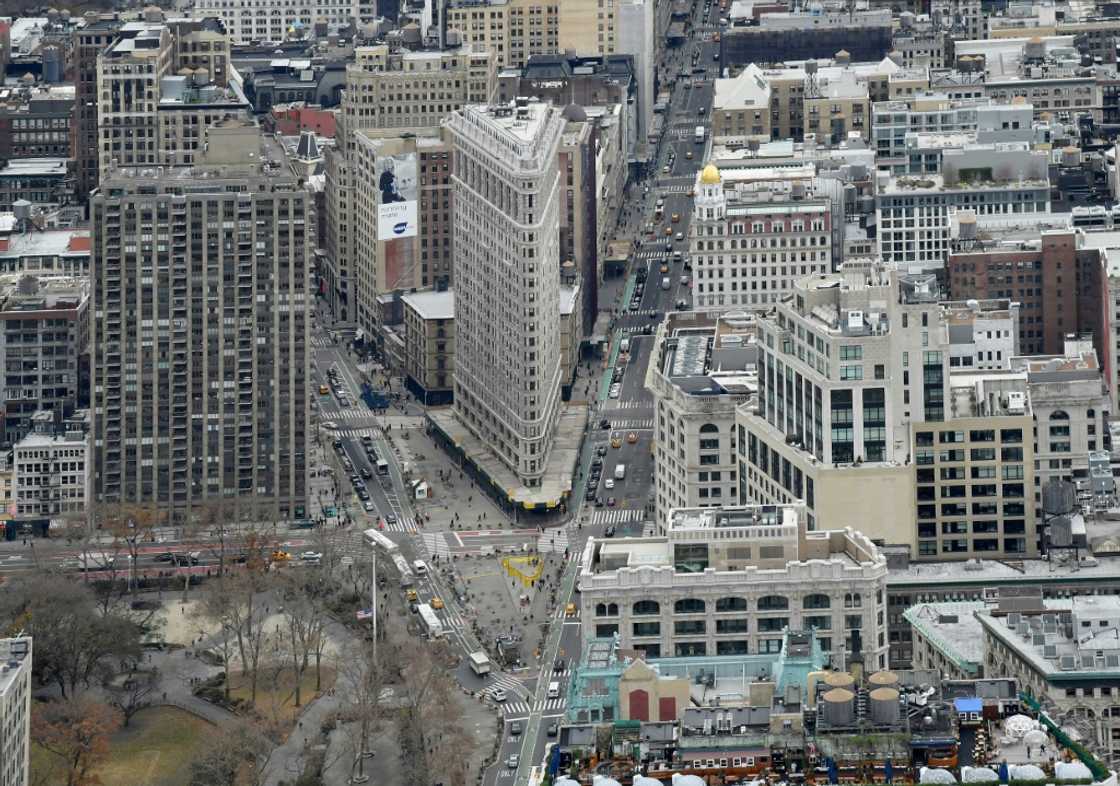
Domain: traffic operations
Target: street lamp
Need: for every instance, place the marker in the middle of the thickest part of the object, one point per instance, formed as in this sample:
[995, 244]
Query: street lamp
[362, 755]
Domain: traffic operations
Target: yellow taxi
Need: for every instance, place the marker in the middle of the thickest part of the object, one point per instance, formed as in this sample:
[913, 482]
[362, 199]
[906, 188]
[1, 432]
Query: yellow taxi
[412, 596]
[616, 442]
[570, 610]
[676, 218]
[664, 268]
[324, 390]
[436, 603]
[632, 437]
[280, 556]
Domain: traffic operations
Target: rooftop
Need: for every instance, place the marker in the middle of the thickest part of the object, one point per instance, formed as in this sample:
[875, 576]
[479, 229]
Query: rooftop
[706, 356]
[13, 653]
[431, 304]
[45, 243]
[952, 629]
[24, 167]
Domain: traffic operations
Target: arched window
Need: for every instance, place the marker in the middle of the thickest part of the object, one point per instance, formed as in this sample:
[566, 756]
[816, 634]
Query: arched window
[773, 603]
[646, 608]
[816, 601]
[709, 428]
[731, 604]
[1090, 413]
[600, 609]
[612, 609]
[852, 600]
[1059, 414]
[689, 606]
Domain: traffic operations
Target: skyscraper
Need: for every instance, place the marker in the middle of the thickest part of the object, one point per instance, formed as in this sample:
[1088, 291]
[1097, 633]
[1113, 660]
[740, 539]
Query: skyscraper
[507, 279]
[199, 331]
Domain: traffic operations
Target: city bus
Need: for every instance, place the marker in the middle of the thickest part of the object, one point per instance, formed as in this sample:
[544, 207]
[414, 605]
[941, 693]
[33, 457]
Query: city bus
[375, 538]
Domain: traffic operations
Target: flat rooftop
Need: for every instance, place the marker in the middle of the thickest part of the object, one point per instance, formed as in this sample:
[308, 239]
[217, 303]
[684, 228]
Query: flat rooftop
[25, 167]
[432, 305]
[710, 357]
[47, 243]
[13, 653]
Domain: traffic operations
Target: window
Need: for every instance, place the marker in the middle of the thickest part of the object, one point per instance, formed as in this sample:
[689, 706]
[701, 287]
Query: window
[731, 604]
[816, 601]
[852, 600]
[773, 603]
[689, 606]
[645, 608]
[851, 352]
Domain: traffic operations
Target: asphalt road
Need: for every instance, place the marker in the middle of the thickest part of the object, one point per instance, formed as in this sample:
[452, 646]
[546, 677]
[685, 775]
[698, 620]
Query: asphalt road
[629, 414]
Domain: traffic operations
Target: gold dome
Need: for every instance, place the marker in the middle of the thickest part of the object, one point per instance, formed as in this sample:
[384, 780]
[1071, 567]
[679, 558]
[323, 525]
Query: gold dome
[710, 176]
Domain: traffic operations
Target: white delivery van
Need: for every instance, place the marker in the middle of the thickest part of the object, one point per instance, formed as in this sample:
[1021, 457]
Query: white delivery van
[620, 472]
[554, 690]
[419, 568]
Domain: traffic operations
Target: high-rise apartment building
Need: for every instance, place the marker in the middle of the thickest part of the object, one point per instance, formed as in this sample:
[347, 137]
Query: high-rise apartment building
[405, 91]
[199, 332]
[89, 42]
[507, 279]
[159, 87]
[44, 336]
[15, 711]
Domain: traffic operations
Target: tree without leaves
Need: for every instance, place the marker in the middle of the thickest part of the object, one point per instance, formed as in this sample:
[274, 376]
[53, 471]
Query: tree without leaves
[238, 606]
[134, 693]
[237, 756]
[364, 701]
[77, 731]
[304, 635]
[429, 711]
[76, 643]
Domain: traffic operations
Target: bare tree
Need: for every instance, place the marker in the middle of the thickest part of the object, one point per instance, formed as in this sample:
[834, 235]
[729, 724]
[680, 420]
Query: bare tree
[304, 630]
[366, 703]
[77, 644]
[428, 709]
[134, 693]
[238, 606]
[237, 756]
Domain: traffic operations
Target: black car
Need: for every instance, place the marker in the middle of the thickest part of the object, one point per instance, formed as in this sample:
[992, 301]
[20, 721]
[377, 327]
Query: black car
[609, 532]
[559, 665]
[604, 424]
[590, 495]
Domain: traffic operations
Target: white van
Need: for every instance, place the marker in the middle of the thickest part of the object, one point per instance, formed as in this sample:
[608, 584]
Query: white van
[419, 567]
[624, 345]
[620, 472]
[554, 690]
[665, 282]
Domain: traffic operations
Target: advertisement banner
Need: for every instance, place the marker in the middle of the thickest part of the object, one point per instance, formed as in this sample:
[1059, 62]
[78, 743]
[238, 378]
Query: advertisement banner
[396, 220]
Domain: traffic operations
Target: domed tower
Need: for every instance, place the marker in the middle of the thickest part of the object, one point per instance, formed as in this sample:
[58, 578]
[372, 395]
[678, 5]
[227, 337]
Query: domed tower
[710, 202]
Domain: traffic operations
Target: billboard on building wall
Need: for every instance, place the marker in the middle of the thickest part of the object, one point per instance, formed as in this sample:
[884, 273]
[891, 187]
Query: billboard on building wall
[396, 202]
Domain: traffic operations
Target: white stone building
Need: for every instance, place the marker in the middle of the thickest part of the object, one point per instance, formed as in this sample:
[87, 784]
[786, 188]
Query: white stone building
[750, 244]
[702, 367]
[271, 20]
[729, 581]
[507, 279]
[52, 474]
[15, 712]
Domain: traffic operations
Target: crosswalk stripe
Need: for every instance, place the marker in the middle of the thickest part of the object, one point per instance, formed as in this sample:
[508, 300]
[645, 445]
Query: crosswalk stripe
[550, 704]
[617, 516]
[632, 424]
[613, 403]
[516, 708]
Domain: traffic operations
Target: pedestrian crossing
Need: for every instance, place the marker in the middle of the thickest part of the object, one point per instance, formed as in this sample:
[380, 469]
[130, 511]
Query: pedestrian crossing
[642, 312]
[519, 709]
[321, 341]
[629, 404]
[681, 188]
[553, 540]
[509, 684]
[350, 413]
[632, 424]
[435, 544]
[406, 524]
[617, 516]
